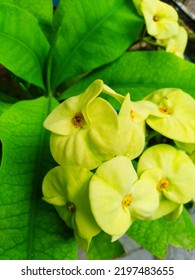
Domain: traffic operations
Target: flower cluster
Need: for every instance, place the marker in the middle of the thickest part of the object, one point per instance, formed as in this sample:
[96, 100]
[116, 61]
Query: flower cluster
[162, 23]
[96, 185]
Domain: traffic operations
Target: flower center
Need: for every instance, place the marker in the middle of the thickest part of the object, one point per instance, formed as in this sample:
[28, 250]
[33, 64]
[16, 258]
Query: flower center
[78, 120]
[163, 184]
[165, 110]
[132, 115]
[155, 18]
[127, 199]
[71, 207]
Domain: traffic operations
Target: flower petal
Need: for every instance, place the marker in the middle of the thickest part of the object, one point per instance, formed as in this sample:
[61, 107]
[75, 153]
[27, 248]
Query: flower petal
[177, 167]
[103, 128]
[111, 182]
[74, 150]
[145, 197]
[161, 19]
[52, 187]
[175, 116]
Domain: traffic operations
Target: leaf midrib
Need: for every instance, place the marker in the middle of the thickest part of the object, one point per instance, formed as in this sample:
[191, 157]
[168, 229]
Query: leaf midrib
[24, 46]
[77, 46]
[36, 185]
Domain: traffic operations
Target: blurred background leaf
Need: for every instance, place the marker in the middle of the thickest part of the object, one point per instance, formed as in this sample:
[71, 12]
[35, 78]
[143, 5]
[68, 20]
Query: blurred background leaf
[140, 73]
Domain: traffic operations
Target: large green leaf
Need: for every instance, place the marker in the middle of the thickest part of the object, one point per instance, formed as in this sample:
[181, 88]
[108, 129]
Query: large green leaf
[6, 102]
[41, 9]
[29, 227]
[91, 34]
[141, 73]
[23, 46]
[156, 235]
[101, 248]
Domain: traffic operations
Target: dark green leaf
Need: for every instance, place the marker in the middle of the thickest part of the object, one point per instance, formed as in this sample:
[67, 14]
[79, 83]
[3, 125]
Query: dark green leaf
[101, 248]
[23, 46]
[92, 33]
[141, 73]
[29, 227]
[156, 235]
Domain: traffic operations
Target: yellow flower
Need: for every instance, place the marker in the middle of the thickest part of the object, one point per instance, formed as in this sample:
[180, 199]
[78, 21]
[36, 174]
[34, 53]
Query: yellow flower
[173, 171]
[67, 188]
[176, 44]
[117, 197]
[174, 116]
[161, 19]
[132, 116]
[84, 128]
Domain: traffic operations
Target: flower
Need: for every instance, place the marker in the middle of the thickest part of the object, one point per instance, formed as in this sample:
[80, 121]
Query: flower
[174, 116]
[174, 173]
[176, 44]
[132, 116]
[84, 128]
[67, 188]
[161, 19]
[117, 197]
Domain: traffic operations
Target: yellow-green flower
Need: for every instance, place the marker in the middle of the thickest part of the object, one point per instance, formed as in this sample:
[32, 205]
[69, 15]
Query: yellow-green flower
[176, 44]
[161, 19]
[117, 197]
[174, 116]
[132, 116]
[173, 171]
[67, 188]
[84, 128]
[189, 148]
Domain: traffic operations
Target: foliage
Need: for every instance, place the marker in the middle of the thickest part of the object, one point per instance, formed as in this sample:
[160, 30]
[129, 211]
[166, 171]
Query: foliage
[50, 56]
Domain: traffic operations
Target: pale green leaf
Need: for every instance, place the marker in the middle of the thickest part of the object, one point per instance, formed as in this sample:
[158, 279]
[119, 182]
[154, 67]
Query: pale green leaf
[6, 102]
[29, 228]
[91, 34]
[156, 235]
[101, 248]
[23, 46]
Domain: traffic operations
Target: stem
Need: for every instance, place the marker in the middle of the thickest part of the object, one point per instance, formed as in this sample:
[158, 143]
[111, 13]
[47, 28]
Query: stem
[49, 65]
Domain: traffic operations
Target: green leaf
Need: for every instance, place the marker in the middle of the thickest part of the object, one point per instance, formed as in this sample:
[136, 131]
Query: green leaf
[23, 46]
[41, 9]
[30, 228]
[92, 33]
[156, 235]
[101, 248]
[6, 102]
[140, 73]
